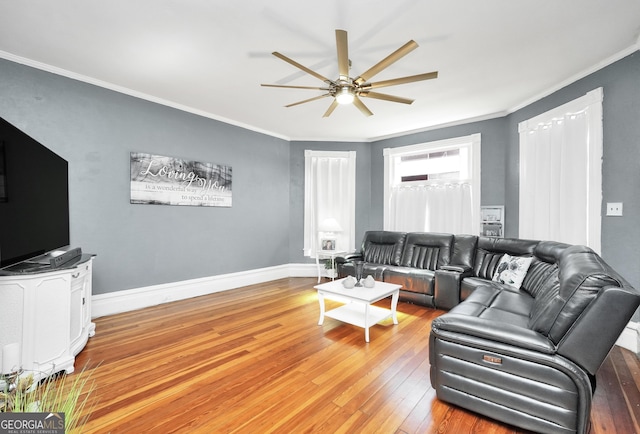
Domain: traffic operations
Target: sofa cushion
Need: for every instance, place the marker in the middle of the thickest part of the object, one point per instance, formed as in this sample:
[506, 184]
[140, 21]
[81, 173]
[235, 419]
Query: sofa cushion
[543, 311]
[374, 270]
[490, 251]
[512, 270]
[469, 285]
[502, 304]
[537, 276]
[486, 264]
[543, 267]
[383, 247]
[464, 250]
[428, 251]
[411, 279]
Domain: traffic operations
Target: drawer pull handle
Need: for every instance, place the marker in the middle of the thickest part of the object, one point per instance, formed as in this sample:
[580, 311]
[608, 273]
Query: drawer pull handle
[492, 359]
[75, 276]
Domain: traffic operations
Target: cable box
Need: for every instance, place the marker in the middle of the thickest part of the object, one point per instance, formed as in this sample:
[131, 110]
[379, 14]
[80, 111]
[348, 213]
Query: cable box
[67, 256]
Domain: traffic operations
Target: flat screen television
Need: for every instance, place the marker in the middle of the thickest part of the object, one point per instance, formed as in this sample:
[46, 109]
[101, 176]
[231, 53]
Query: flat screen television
[34, 198]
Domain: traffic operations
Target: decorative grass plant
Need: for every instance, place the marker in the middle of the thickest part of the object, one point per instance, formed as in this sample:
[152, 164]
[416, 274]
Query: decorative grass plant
[67, 394]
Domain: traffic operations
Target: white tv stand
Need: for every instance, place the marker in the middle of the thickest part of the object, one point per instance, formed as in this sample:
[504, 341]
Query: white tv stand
[48, 313]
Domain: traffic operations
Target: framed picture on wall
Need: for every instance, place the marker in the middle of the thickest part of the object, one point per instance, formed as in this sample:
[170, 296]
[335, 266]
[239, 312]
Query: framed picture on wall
[164, 180]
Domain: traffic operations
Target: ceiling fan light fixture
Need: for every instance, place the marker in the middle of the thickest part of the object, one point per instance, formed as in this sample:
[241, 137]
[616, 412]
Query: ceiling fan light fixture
[345, 95]
[347, 90]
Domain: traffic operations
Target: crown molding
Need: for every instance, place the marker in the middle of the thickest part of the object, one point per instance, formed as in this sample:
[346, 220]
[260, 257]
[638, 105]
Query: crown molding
[582, 74]
[130, 92]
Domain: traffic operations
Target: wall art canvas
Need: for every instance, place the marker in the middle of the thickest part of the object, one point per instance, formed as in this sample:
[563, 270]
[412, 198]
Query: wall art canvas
[161, 180]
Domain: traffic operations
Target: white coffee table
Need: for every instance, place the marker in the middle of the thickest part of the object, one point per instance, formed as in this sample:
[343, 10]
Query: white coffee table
[358, 309]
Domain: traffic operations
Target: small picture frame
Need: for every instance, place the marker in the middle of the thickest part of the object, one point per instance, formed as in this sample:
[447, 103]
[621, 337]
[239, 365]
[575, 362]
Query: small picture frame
[328, 244]
[492, 224]
[492, 214]
[492, 230]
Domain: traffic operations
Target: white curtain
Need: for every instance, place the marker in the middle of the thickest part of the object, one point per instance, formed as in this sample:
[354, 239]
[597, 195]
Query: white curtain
[451, 206]
[330, 185]
[433, 208]
[561, 173]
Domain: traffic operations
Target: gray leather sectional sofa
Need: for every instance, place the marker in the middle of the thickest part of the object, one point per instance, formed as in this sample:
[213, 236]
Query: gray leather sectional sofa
[524, 350]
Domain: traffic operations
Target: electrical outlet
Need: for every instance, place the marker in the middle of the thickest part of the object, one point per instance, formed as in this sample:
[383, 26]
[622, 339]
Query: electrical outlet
[614, 208]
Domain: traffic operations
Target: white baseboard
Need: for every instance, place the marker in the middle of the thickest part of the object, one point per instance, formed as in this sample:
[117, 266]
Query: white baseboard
[303, 270]
[139, 298]
[630, 338]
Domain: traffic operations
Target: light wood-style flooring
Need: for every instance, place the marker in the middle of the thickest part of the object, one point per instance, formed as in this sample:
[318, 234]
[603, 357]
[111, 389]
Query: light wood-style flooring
[254, 360]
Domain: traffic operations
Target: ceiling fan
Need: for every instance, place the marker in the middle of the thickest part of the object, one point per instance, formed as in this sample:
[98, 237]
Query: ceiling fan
[348, 90]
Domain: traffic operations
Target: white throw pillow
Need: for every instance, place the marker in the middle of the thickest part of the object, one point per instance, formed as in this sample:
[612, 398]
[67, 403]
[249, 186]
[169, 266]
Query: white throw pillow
[512, 270]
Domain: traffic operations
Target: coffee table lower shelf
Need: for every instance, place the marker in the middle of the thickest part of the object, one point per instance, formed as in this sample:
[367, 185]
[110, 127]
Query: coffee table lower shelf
[359, 314]
[355, 314]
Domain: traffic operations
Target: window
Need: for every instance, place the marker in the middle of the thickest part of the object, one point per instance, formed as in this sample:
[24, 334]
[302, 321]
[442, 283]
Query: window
[433, 187]
[329, 195]
[561, 173]
[430, 166]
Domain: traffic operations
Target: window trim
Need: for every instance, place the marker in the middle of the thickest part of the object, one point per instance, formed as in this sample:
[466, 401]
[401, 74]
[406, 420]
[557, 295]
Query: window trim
[473, 141]
[310, 232]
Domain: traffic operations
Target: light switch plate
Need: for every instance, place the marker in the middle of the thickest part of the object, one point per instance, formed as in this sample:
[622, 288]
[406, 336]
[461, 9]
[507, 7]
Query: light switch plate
[614, 208]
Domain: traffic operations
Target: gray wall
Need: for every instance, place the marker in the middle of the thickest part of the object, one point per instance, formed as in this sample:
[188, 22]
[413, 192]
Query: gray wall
[139, 245]
[500, 159]
[621, 158]
[363, 191]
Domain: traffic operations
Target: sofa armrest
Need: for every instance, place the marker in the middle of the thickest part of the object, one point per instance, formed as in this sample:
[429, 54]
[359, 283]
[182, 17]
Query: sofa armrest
[494, 331]
[347, 257]
[344, 263]
[446, 291]
[594, 334]
[457, 268]
[509, 373]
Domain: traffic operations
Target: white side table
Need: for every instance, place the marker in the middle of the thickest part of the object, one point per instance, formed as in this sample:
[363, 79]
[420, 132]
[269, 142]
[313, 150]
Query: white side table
[327, 254]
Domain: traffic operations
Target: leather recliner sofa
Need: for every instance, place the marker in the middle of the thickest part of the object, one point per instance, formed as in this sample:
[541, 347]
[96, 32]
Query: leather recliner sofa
[526, 354]
[407, 259]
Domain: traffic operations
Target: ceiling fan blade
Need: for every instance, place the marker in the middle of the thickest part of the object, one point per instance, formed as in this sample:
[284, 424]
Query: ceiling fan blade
[331, 108]
[384, 63]
[308, 100]
[385, 97]
[343, 53]
[295, 87]
[302, 67]
[401, 80]
[363, 108]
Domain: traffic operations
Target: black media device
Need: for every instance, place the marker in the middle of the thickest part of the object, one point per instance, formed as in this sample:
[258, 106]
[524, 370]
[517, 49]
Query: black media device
[34, 198]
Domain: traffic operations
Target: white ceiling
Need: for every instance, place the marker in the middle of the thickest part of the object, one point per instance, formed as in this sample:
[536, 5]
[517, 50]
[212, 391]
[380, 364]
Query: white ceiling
[210, 56]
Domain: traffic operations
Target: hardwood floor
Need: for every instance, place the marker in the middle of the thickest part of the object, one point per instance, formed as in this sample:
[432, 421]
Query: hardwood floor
[254, 360]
